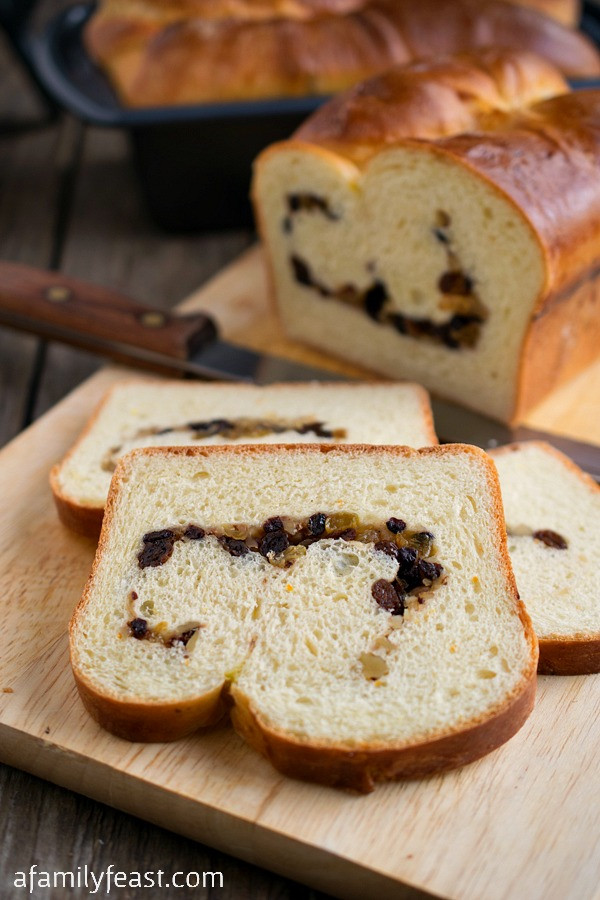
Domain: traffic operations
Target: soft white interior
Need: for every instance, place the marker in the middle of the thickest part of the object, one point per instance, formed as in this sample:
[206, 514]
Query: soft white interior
[387, 214]
[292, 639]
[370, 413]
[559, 587]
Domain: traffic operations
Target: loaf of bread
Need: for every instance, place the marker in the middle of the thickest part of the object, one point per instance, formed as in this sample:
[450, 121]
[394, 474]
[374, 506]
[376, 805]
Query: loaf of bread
[552, 513]
[442, 223]
[166, 413]
[157, 52]
[354, 606]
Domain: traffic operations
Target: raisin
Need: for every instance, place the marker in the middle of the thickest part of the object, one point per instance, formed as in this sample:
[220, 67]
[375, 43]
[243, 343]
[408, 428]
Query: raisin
[406, 556]
[316, 524]
[375, 298]
[233, 546]
[455, 283]
[138, 628]
[194, 533]
[273, 542]
[441, 236]
[388, 547]
[317, 428]
[395, 525]
[302, 273]
[386, 596]
[210, 427]
[158, 547]
[273, 524]
[551, 539]
[310, 203]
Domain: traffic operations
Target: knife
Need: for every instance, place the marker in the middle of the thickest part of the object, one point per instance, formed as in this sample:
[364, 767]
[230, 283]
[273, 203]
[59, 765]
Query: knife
[107, 322]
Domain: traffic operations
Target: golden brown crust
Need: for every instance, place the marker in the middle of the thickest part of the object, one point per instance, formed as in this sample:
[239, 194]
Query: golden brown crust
[86, 519]
[466, 92]
[151, 722]
[355, 768]
[361, 768]
[577, 656]
[187, 52]
[81, 518]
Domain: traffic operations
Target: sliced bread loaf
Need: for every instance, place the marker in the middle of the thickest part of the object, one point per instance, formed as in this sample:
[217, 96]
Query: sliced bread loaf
[166, 413]
[440, 223]
[355, 605]
[552, 513]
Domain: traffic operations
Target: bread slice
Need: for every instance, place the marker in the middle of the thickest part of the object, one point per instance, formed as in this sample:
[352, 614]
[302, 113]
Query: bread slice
[552, 513]
[163, 413]
[436, 223]
[334, 669]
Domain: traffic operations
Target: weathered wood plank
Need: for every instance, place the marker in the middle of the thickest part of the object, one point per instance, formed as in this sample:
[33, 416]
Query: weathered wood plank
[110, 240]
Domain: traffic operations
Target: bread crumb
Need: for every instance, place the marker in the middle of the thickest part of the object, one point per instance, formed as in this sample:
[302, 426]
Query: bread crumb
[289, 587]
[452, 648]
[7, 691]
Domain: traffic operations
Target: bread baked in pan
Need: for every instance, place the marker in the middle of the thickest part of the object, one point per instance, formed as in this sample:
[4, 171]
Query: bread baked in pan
[163, 53]
[256, 579]
[552, 512]
[441, 222]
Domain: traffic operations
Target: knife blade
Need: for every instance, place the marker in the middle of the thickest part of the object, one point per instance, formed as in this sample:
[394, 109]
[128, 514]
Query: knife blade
[111, 324]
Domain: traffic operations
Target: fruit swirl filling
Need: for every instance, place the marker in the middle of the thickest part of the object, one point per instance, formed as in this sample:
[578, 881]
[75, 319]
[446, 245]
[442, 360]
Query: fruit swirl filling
[282, 540]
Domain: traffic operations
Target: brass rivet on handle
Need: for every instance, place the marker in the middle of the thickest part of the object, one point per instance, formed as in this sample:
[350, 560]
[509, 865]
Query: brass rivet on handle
[153, 319]
[58, 293]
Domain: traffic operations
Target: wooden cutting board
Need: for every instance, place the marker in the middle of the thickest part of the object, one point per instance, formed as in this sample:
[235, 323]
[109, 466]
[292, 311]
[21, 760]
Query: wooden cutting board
[521, 823]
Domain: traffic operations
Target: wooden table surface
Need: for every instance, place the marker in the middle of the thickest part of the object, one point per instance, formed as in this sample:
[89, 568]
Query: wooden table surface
[69, 201]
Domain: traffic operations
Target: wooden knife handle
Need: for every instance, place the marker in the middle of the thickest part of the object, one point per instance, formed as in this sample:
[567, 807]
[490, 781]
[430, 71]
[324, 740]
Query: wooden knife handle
[44, 302]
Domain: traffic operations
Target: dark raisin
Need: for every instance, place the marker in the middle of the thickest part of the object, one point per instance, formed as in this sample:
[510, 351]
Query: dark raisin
[456, 283]
[273, 524]
[134, 595]
[551, 539]
[428, 570]
[302, 273]
[194, 533]
[316, 524]
[388, 547]
[385, 595]
[233, 546]
[211, 427]
[441, 236]
[165, 535]
[395, 525]
[158, 547]
[407, 557]
[138, 628]
[317, 429]
[375, 298]
[310, 203]
[273, 542]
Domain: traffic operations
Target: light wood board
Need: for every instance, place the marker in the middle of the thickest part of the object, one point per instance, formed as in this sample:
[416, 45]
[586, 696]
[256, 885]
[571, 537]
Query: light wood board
[522, 822]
